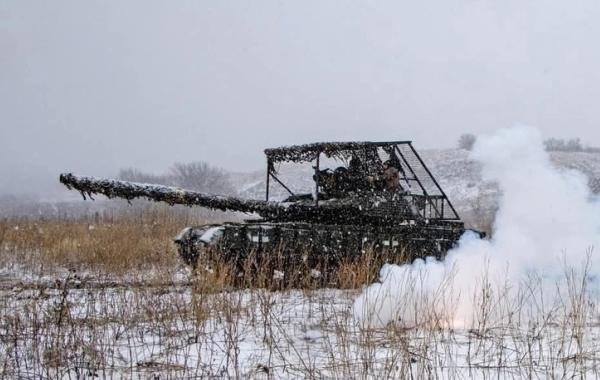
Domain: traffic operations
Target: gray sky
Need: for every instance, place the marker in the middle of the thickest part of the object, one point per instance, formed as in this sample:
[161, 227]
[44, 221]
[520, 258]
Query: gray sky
[92, 86]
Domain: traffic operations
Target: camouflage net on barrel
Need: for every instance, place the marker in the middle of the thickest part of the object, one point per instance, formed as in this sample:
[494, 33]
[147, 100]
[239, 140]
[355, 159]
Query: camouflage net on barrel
[171, 195]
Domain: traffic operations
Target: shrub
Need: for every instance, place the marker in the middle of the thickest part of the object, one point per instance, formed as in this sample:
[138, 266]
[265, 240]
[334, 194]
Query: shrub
[466, 141]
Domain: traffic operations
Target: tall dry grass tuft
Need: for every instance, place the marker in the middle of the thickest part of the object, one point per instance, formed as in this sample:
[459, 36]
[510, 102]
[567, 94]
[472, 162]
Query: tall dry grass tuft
[357, 270]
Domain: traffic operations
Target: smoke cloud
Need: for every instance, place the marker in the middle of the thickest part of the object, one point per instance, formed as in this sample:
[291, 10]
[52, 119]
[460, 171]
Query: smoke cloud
[546, 220]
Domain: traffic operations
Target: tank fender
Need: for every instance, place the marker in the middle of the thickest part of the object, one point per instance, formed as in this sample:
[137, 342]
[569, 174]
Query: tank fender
[480, 234]
[196, 235]
[191, 240]
[211, 235]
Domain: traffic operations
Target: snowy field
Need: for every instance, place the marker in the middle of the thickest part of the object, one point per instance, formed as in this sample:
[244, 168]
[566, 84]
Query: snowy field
[74, 327]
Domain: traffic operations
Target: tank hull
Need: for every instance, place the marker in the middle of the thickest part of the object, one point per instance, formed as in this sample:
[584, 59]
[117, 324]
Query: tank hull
[317, 245]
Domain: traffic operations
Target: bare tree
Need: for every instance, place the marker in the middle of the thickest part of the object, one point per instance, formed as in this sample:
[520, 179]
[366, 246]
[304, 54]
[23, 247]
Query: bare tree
[561, 145]
[201, 176]
[466, 141]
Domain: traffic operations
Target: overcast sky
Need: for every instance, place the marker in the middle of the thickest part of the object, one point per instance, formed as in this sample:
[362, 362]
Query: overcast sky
[93, 86]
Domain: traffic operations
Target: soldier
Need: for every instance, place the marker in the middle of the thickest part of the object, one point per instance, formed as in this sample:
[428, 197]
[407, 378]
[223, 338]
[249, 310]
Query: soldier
[357, 179]
[391, 177]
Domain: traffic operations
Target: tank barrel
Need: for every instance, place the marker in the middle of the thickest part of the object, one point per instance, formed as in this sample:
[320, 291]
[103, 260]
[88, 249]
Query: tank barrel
[113, 188]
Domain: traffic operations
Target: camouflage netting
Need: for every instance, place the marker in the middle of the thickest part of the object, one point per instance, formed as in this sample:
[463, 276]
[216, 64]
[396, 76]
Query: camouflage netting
[309, 152]
[171, 195]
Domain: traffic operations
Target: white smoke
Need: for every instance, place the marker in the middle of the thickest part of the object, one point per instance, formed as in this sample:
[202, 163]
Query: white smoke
[546, 218]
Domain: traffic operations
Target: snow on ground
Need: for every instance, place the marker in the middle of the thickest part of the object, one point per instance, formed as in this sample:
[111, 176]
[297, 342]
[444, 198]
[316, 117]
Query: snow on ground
[70, 329]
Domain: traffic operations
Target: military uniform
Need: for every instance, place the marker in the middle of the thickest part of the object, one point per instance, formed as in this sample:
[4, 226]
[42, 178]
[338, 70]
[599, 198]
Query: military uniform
[392, 179]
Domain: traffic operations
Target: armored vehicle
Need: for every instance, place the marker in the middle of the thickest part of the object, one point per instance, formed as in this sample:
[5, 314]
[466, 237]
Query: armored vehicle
[364, 196]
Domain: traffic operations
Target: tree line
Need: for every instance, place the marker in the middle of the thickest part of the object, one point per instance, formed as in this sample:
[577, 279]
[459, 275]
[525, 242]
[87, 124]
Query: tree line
[467, 141]
[198, 176]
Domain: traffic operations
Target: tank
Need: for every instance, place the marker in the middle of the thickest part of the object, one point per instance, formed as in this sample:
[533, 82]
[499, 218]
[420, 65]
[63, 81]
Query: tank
[365, 196]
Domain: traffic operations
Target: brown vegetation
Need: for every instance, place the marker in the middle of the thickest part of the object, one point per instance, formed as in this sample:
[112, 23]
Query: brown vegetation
[117, 244]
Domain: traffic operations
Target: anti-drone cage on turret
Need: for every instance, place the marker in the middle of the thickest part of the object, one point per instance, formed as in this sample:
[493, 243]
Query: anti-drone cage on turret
[417, 180]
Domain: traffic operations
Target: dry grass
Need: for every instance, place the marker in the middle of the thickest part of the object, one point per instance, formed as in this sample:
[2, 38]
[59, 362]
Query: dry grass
[202, 331]
[119, 244]
[211, 326]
